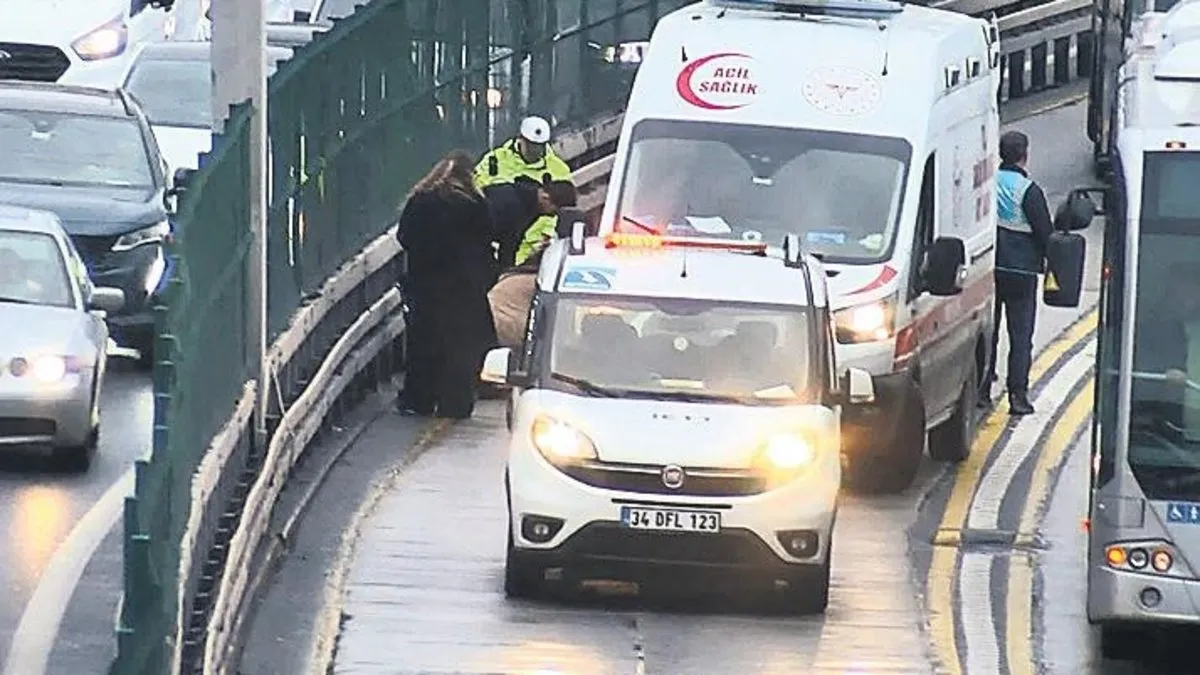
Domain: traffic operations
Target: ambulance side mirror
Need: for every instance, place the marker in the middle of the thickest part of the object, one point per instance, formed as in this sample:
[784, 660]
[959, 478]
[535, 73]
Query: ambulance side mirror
[945, 261]
[1078, 210]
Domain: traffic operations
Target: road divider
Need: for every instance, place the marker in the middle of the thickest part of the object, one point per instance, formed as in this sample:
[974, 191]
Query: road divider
[952, 583]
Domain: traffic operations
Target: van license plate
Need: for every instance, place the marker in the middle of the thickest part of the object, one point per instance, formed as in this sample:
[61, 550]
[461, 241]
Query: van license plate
[674, 520]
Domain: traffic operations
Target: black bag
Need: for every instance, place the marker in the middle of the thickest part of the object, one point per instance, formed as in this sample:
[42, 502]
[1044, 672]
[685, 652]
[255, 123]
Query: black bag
[1066, 255]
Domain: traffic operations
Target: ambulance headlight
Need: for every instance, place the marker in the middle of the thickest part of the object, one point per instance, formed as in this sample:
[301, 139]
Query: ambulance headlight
[868, 322]
[560, 442]
[786, 453]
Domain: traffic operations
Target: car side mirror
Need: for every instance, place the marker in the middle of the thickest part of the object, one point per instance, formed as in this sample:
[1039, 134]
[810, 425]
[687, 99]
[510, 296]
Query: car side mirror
[106, 299]
[180, 180]
[859, 387]
[1079, 208]
[945, 263]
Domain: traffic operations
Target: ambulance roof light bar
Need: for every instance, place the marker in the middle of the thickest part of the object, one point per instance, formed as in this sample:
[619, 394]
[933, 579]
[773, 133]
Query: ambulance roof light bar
[861, 9]
[629, 240]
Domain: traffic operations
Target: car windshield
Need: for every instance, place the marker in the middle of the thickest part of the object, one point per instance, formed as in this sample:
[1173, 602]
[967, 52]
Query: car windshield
[69, 149]
[174, 93]
[840, 192]
[1164, 435]
[32, 270]
[682, 349]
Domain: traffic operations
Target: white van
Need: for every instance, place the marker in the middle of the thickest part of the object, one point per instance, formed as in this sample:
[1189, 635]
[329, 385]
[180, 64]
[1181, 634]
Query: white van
[85, 42]
[872, 128]
[669, 418]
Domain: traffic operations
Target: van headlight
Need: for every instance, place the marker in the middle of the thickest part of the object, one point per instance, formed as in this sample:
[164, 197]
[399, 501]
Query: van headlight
[104, 42]
[868, 322]
[786, 453]
[147, 235]
[560, 442]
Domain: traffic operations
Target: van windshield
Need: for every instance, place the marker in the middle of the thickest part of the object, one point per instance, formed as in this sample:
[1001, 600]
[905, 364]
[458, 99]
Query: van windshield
[1164, 414]
[683, 349]
[840, 192]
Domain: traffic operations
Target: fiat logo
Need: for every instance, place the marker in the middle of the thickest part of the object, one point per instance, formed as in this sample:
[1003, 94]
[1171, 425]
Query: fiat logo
[672, 476]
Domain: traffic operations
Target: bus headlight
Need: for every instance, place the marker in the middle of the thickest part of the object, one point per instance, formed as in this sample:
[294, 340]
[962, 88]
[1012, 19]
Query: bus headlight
[868, 322]
[1147, 557]
[560, 442]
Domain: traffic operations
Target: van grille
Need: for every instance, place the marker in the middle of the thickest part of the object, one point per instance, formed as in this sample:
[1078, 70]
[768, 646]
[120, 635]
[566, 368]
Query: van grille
[646, 479]
[39, 63]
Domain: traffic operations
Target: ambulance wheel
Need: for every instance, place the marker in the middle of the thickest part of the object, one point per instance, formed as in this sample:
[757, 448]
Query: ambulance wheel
[807, 591]
[523, 578]
[951, 440]
[889, 468]
[1121, 643]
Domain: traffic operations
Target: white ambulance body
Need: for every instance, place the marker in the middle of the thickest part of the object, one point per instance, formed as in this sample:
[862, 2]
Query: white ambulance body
[869, 127]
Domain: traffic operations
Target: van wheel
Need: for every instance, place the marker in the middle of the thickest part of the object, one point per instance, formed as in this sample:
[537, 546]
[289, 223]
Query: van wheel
[1121, 643]
[951, 440]
[889, 468]
[807, 591]
[522, 577]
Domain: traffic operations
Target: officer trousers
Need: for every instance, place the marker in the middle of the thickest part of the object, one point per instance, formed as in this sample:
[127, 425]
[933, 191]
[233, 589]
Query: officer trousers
[1016, 302]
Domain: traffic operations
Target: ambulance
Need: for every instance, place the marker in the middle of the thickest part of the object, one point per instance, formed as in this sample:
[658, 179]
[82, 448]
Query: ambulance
[668, 424]
[870, 128]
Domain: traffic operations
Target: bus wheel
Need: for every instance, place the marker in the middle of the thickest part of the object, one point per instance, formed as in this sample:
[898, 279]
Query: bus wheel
[1121, 643]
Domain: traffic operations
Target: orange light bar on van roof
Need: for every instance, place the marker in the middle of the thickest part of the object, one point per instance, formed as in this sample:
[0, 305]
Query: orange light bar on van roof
[653, 241]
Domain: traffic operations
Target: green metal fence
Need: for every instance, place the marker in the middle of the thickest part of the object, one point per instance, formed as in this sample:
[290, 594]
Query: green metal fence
[355, 118]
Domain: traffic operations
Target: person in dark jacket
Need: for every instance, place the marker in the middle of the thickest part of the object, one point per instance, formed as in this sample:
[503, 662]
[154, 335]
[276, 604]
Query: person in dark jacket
[515, 206]
[1023, 231]
[446, 230]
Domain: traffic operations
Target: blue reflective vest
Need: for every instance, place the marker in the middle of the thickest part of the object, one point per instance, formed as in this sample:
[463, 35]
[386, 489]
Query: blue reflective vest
[1016, 249]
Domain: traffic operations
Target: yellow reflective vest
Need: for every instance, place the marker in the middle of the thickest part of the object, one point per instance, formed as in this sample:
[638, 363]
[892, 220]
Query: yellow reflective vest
[504, 164]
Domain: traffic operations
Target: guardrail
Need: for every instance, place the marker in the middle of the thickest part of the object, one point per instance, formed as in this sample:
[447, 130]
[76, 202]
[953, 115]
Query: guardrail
[344, 343]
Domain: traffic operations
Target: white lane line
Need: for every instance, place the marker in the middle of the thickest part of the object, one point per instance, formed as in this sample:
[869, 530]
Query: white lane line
[37, 632]
[985, 506]
[978, 620]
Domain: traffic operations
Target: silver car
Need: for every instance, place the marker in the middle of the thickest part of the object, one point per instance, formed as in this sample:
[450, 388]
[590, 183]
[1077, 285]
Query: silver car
[53, 339]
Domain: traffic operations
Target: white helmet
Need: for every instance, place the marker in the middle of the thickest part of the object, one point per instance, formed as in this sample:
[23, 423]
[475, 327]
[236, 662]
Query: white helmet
[535, 129]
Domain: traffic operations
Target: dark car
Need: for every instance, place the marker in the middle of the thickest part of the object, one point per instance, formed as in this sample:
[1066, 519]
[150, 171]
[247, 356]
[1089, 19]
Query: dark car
[89, 156]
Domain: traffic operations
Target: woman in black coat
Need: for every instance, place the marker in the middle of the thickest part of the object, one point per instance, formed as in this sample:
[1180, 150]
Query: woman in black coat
[446, 230]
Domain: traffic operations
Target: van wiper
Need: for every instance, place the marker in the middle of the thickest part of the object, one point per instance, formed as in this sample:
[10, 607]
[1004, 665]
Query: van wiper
[16, 301]
[638, 224]
[586, 386]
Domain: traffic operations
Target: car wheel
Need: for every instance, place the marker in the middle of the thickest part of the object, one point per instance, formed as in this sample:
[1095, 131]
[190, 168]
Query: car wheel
[951, 440]
[889, 468]
[77, 459]
[1121, 643]
[523, 578]
[145, 358]
[808, 590]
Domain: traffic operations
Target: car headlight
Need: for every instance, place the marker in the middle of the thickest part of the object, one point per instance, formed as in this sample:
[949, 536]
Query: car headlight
[147, 235]
[43, 368]
[787, 453]
[104, 42]
[869, 322]
[560, 442]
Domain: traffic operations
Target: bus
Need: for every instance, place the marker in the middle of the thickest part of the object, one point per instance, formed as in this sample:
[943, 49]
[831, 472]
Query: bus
[1113, 24]
[1144, 497]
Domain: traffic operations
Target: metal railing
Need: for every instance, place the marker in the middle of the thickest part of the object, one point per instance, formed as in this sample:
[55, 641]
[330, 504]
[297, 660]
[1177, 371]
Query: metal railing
[357, 116]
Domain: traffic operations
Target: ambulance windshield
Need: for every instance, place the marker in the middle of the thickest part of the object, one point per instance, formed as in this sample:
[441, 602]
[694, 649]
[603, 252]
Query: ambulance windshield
[1164, 413]
[841, 192]
[693, 350]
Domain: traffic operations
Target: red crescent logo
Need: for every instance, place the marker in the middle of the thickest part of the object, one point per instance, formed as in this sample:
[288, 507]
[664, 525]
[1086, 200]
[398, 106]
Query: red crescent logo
[683, 83]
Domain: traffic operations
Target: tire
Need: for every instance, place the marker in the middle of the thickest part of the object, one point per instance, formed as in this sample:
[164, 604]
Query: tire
[145, 358]
[1121, 643]
[890, 468]
[523, 579]
[808, 590]
[951, 440]
[77, 459]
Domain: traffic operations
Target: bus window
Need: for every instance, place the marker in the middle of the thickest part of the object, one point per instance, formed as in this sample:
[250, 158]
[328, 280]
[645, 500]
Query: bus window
[1164, 435]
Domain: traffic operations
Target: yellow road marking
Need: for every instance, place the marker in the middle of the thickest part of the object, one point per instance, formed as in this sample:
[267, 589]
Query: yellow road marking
[1019, 600]
[940, 582]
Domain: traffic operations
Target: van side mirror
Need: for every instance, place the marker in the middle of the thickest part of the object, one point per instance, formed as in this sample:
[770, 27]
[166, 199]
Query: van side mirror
[1079, 208]
[945, 261]
[495, 366]
[859, 387]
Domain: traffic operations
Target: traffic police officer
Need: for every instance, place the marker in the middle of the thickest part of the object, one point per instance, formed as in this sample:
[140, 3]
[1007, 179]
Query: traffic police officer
[1024, 229]
[529, 154]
